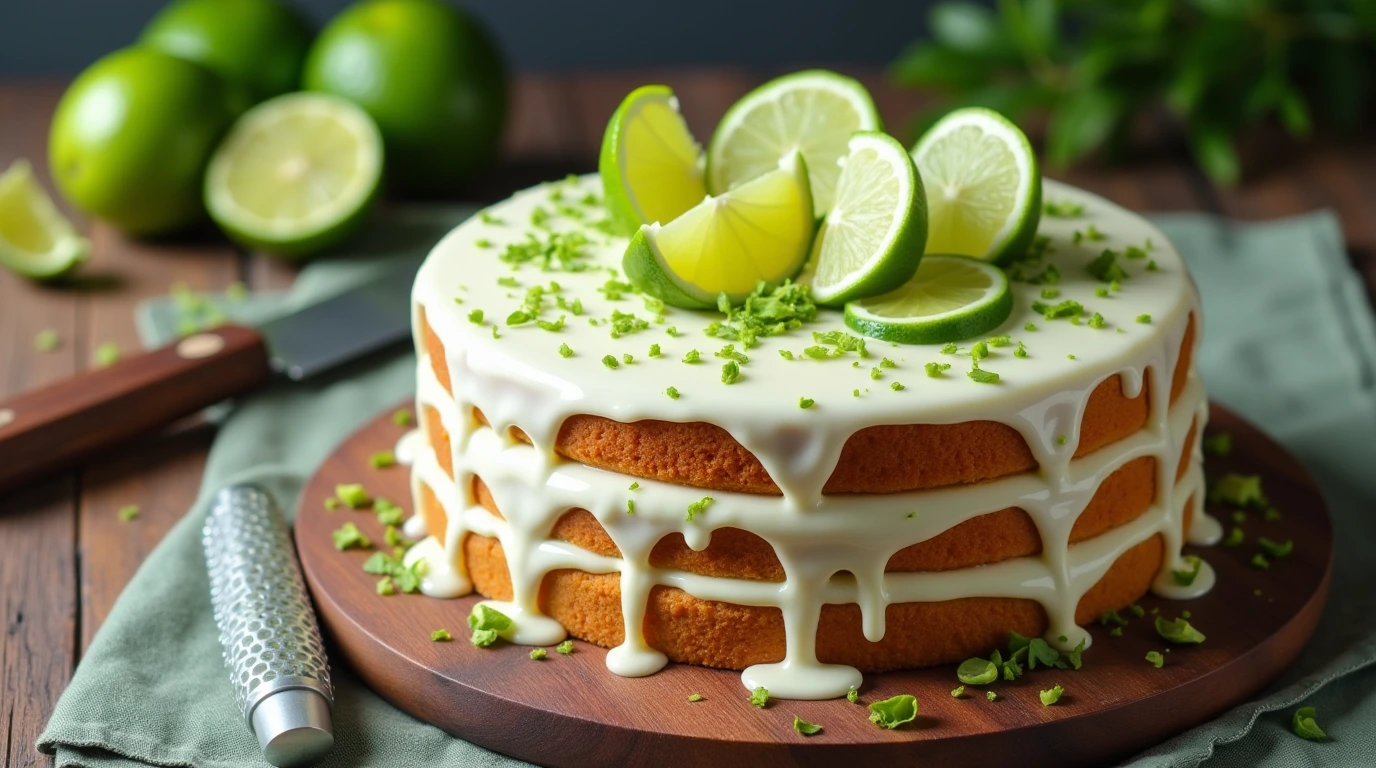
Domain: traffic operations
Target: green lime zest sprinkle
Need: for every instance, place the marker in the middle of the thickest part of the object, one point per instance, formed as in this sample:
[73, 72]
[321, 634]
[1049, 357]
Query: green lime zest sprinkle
[887, 363]
[566, 647]
[538, 654]
[730, 372]
[990, 695]
[876, 374]
[565, 350]
[654, 351]
[627, 359]
[692, 357]
[698, 507]
[977, 672]
[348, 536]
[610, 362]
[785, 354]
[1063, 209]
[488, 218]
[934, 369]
[765, 312]
[804, 727]
[958, 692]
[852, 695]
[672, 392]
[392, 535]
[508, 282]
[1259, 561]
[1275, 549]
[1218, 444]
[1070, 357]
[1000, 341]
[353, 495]
[672, 331]
[1061, 439]
[1151, 266]
[1096, 321]
[1051, 293]
[1238, 491]
[1030, 327]
[1021, 351]
[1239, 516]
[630, 506]
[982, 376]
[331, 503]
[805, 402]
[551, 325]
[1115, 632]
[1178, 631]
[979, 351]
[1051, 695]
[1067, 308]
[1112, 618]
[1271, 514]
[1137, 610]
[107, 354]
[1101, 292]
[483, 638]
[128, 513]
[476, 317]
[759, 697]
[897, 387]
[634, 486]
[487, 623]
[384, 587]
[382, 459]
[403, 418]
[1305, 726]
[949, 348]
[695, 697]
[441, 636]
[1234, 537]
[1156, 658]
[47, 340]
[387, 512]
[893, 712]
[1185, 577]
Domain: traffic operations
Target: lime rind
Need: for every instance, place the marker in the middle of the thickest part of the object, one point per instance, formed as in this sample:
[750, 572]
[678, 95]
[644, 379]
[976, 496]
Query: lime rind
[704, 253]
[878, 180]
[276, 137]
[1015, 233]
[676, 162]
[36, 240]
[951, 298]
[728, 164]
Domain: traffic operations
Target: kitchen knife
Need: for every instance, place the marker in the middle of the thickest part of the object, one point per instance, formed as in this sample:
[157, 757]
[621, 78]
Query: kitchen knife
[55, 427]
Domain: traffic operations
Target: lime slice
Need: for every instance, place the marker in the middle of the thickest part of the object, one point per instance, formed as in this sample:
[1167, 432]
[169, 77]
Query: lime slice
[759, 231]
[949, 299]
[35, 239]
[984, 192]
[872, 238]
[651, 166]
[295, 174]
[814, 112]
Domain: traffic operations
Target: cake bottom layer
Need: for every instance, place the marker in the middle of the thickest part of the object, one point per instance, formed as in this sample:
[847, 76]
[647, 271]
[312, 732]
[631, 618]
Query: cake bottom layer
[718, 634]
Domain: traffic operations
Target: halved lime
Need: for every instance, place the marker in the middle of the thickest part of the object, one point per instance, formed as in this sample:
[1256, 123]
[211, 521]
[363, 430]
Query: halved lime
[813, 112]
[872, 238]
[759, 231]
[651, 166]
[949, 299]
[984, 191]
[35, 239]
[296, 174]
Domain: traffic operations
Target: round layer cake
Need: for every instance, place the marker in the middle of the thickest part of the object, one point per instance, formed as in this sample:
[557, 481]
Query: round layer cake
[588, 460]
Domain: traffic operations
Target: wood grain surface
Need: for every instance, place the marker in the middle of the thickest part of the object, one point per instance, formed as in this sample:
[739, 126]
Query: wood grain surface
[68, 555]
[571, 711]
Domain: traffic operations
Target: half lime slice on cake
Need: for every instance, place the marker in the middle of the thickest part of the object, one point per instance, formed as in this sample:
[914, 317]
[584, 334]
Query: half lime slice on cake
[759, 231]
[949, 299]
[651, 167]
[295, 174]
[871, 240]
[984, 191]
[813, 112]
[35, 239]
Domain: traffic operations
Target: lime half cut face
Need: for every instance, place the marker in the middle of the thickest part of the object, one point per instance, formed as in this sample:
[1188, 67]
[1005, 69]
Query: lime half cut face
[36, 241]
[651, 167]
[758, 232]
[983, 186]
[951, 298]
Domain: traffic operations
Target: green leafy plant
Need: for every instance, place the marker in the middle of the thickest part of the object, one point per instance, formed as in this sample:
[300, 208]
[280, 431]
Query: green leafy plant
[1095, 68]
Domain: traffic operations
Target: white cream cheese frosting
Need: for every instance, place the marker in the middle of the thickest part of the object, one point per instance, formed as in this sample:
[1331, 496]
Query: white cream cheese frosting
[833, 548]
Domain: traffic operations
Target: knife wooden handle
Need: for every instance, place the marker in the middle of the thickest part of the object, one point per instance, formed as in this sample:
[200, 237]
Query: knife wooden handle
[53, 428]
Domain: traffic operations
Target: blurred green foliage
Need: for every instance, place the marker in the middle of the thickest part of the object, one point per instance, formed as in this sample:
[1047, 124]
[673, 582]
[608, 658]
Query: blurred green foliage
[1092, 66]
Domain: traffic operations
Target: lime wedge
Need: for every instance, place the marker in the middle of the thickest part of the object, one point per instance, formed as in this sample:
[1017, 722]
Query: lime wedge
[872, 238]
[651, 166]
[759, 231]
[295, 174]
[984, 192]
[35, 239]
[813, 112]
[949, 299]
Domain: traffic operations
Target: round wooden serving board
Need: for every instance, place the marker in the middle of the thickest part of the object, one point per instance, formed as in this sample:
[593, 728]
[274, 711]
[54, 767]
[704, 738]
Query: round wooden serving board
[572, 711]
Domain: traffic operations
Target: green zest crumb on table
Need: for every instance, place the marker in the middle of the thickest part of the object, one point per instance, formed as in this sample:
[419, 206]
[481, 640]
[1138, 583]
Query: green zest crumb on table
[698, 507]
[958, 692]
[695, 697]
[538, 654]
[565, 647]
[1115, 632]
[730, 372]
[983, 376]
[1144, 319]
[476, 317]
[1178, 631]
[391, 566]
[655, 351]
[1112, 618]
[1096, 321]
[1274, 549]
[486, 622]
[627, 359]
[1051, 695]
[128, 512]
[934, 369]
[1063, 209]
[1238, 491]
[331, 503]
[1030, 327]
[990, 695]
[692, 356]
[348, 536]
[403, 418]
[805, 402]
[804, 727]
[441, 636]
[47, 340]
[897, 386]
[1305, 726]
[610, 362]
[1271, 514]
[893, 712]
[1156, 659]
[1259, 561]
[383, 459]
[672, 392]
[387, 512]
[1234, 537]
[759, 697]
[977, 672]
[106, 355]
[565, 350]
[630, 506]
[1186, 576]
[1137, 610]
[353, 495]
[384, 587]
[852, 695]
[1218, 444]
[634, 486]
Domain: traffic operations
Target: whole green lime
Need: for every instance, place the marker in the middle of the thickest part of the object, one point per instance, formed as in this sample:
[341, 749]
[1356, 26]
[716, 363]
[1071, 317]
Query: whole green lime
[256, 45]
[131, 138]
[430, 77]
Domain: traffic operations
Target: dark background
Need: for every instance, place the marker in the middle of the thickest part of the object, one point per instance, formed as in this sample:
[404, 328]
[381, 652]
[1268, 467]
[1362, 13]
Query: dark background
[58, 38]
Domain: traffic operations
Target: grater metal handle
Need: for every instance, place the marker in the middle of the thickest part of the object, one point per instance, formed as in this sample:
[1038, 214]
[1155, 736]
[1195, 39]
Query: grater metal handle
[272, 647]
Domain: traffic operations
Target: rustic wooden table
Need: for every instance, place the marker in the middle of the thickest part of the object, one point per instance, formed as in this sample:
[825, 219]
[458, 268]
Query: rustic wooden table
[64, 553]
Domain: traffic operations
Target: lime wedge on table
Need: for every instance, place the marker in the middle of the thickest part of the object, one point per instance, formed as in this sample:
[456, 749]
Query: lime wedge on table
[35, 240]
[984, 191]
[813, 112]
[949, 299]
[296, 174]
[650, 165]
[872, 238]
[759, 231]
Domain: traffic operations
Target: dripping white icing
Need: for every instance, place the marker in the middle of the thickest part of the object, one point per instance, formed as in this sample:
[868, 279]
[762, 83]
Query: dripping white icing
[407, 446]
[520, 381]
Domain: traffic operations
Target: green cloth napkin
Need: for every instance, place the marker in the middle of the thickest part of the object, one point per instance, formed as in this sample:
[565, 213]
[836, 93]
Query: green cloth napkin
[1288, 341]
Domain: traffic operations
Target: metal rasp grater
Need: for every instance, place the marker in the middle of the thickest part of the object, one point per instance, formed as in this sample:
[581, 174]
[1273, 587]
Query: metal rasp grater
[272, 645]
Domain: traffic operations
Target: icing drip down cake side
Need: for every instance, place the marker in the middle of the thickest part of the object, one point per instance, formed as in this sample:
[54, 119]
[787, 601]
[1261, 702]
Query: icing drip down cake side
[583, 462]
